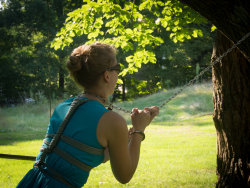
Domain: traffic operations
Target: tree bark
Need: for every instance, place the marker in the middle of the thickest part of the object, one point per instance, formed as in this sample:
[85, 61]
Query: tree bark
[231, 82]
[231, 78]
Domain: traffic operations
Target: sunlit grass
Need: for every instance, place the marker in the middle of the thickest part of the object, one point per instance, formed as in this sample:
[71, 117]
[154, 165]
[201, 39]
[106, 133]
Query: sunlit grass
[177, 156]
[171, 156]
[194, 100]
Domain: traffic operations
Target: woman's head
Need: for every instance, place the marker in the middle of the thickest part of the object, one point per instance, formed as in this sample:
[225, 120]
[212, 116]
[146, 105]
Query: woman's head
[87, 63]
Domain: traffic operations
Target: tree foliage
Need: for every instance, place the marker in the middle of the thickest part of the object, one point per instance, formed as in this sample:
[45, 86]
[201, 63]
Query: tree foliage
[130, 27]
[27, 63]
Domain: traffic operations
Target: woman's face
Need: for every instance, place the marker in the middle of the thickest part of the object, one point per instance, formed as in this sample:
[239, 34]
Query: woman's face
[114, 77]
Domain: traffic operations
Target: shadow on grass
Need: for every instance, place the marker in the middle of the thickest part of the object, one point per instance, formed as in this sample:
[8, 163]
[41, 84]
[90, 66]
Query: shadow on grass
[9, 138]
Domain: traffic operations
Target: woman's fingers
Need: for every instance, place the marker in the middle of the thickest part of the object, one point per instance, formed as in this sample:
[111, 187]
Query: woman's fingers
[134, 110]
[140, 119]
[154, 110]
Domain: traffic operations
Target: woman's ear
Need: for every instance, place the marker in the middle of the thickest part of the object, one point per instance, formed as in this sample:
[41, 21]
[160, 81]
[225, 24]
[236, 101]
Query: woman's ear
[106, 76]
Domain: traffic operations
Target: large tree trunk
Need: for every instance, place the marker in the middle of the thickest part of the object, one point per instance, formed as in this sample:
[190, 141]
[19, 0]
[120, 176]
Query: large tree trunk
[231, 80]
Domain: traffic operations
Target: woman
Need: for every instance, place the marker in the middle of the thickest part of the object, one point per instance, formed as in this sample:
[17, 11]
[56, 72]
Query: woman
[91, 134]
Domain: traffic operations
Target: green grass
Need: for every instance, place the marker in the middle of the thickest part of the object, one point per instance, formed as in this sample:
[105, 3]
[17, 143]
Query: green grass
[193, 101]
[179, 149]
[177, 156]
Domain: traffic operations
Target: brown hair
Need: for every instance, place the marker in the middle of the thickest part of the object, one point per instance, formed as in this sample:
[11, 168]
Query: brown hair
[88, 62]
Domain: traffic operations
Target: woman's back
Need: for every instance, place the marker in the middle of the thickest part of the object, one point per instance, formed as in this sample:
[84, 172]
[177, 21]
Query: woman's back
[81, 128]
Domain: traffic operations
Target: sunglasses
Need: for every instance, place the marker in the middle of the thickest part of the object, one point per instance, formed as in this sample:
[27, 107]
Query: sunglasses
[116, 67]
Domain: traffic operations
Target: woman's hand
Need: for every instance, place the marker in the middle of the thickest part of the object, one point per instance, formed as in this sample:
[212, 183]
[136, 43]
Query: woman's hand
[154, 111]
[140, 119]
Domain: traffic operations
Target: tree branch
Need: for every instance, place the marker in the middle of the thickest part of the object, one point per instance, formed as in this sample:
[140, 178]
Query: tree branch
[231, 17]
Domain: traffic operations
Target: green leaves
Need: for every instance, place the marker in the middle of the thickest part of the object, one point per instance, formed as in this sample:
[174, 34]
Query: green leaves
[213, 28]
[197, 32]
[131, 28]
[135, 61]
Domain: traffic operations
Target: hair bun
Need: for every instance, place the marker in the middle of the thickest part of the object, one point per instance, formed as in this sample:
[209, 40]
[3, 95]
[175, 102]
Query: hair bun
[74, 63]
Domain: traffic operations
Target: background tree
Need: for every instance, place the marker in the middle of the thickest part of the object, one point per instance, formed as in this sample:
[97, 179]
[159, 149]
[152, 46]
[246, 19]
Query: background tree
[27, 28]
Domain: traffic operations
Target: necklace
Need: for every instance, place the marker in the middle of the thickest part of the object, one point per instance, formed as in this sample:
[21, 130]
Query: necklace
[97, 96]
[110, 106]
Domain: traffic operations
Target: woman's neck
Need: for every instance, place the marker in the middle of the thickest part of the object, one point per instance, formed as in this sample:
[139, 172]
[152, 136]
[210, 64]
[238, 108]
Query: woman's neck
[96, 96]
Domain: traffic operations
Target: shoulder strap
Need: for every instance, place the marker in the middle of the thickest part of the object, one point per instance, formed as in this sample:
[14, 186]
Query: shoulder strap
[75, 104]
[77, 144]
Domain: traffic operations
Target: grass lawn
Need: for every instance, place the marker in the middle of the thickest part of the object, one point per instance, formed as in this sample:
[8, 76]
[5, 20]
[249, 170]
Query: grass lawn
[171, 156]
[179, 149]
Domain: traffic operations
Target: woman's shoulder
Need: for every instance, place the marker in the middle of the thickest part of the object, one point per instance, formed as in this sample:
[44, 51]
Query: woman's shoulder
[63, 102]
[110, 125]
[113, 119]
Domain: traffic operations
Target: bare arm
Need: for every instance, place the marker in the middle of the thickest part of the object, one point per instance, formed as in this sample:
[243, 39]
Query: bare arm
[124, 156]
[123, 159]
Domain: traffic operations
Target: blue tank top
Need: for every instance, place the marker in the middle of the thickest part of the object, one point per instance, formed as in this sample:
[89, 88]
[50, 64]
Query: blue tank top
[81, 127]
